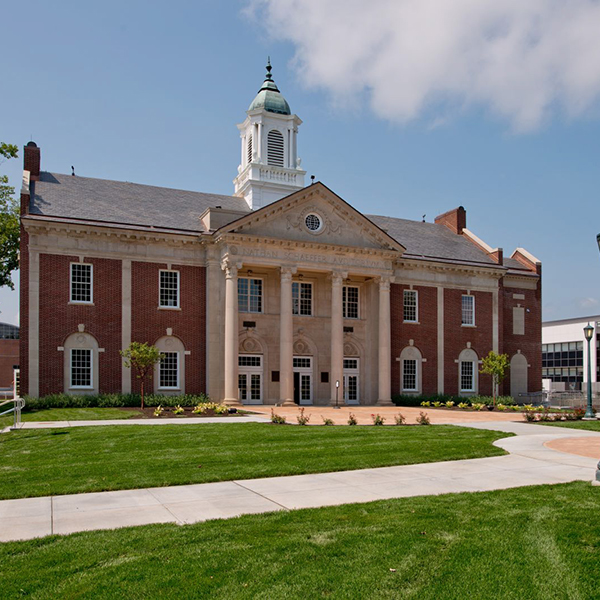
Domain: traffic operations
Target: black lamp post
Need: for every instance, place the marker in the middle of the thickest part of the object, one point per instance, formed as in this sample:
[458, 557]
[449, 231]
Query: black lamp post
[589, 332]
[337, 389]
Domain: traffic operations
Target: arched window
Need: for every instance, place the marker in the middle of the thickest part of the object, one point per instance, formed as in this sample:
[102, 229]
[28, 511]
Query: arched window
[411, 364]
[468, 372]
[249, 148]
[169, 373]
[275, 148]
[81, 364]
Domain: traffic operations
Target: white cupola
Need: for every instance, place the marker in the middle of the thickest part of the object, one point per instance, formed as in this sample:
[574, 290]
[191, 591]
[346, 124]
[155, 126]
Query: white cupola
[270, 167]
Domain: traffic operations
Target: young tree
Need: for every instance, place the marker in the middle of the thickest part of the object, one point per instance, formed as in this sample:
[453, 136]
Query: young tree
[495, 365]
[142, 357]
[9, 222]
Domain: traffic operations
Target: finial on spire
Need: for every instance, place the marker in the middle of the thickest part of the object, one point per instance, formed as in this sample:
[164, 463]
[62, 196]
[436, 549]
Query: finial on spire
[269, 68]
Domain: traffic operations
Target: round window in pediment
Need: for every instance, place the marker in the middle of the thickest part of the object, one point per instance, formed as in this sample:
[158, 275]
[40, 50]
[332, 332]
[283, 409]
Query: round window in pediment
[313, 223]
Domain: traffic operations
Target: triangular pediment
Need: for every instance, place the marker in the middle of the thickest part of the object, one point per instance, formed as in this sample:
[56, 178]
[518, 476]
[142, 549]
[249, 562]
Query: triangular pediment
[314, 215]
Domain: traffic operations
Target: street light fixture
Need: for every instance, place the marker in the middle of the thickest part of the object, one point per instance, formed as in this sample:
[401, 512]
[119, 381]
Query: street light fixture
[337, 389]
[589, 332]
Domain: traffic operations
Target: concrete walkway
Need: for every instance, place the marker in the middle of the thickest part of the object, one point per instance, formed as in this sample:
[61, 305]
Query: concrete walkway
[133, 421]
[531, 462]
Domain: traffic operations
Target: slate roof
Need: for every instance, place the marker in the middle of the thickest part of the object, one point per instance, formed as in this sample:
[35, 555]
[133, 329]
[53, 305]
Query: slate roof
[65, 196]
[85, 198]
[430, 240]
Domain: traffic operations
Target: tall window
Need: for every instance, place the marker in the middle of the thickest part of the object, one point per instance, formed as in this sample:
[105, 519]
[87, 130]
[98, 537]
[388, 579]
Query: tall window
[81, 368]
[410, 306]
[350, 302]
[409, 375]
[168, 296]
[467, 368]
[81, 283]
[468, 310]
[301, 298]
[168, 371]
[275, 148]
[250, 295]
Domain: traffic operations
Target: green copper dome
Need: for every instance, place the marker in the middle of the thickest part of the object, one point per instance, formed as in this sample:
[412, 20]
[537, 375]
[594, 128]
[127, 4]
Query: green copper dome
[269, 97]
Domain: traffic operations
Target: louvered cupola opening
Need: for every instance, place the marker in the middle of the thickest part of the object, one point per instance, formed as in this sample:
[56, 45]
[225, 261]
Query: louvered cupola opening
[249, 148]
[275, 148]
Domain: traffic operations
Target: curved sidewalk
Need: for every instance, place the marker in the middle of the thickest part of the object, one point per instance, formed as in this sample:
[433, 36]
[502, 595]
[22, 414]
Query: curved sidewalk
[530, 462]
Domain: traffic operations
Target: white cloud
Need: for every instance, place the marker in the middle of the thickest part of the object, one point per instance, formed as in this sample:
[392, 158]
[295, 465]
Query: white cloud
[520, 59]
[588, 302]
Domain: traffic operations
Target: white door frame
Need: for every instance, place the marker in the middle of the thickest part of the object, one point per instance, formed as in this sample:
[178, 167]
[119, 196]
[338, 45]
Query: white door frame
[352, 372]
[304, 372]
[247, 371]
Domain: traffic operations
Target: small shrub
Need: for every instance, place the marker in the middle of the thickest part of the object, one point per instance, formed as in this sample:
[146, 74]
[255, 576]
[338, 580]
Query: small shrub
[400, 419]
[327, 421]
[557, 417]
[178, 410]
[159, 410]
[437, 404]
[545, 415]
[478, 405]
[501, 407]
[506, 400]
[449, 404]
[516, 407]
[529, 414]
[463, 405]
[579, 413]
[378, 419]
[302, 418]
[352, 419]
[277, 419]
[423, 419]
[425, 404]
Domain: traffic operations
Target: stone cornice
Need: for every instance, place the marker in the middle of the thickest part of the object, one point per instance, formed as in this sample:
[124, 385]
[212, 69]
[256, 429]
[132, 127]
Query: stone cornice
[432, 264]
[128, 233]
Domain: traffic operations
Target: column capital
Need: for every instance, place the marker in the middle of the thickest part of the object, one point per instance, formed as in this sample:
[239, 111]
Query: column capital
[337, 277]
[384, 283]
[287, 272]
[231, 269]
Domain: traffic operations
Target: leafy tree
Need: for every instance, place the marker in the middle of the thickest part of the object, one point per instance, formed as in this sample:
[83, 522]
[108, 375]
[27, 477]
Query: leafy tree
[9, 222]
[497, 366]
[142, 357]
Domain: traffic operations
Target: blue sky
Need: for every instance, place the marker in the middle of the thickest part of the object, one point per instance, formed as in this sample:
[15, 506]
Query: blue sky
[152, 93]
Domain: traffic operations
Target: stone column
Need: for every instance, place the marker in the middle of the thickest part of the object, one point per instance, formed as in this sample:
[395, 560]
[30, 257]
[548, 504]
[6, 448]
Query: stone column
[34, 324]
[385, 343]
[337, 338]
[230, 369]
[286, 340]
[214, 325]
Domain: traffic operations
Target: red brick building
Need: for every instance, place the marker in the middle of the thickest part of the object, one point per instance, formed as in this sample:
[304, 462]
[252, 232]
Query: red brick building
[279, 293]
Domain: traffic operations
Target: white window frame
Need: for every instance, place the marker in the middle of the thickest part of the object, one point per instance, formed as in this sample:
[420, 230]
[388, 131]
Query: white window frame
[81, 387]
[463, 324]
[91, 300]
[170, 387]
[416, 294]
[345, 302]
[162, 306]
[262, 296]
[473, 367]
[403, 362]
[312, 295]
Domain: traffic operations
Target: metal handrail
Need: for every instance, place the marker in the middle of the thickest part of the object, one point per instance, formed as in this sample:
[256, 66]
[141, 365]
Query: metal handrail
[18, 406]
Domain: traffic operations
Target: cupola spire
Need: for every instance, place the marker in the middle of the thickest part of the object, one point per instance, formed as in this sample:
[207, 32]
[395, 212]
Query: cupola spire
[270, 167]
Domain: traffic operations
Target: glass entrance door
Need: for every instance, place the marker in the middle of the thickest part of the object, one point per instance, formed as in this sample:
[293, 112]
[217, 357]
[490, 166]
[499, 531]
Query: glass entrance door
[250, 379]
[303, 380]
[351, 381]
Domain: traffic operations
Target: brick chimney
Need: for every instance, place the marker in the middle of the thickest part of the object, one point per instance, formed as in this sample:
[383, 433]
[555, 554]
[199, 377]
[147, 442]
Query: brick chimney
[455, 219]
[31, 160]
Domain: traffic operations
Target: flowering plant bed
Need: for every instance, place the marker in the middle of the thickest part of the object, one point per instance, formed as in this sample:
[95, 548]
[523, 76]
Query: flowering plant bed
[183, 412]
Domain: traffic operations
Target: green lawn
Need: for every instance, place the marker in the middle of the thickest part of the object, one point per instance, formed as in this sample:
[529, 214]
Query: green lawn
[89, 459]
[589, 425]
[71, 414]
[539, 542]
